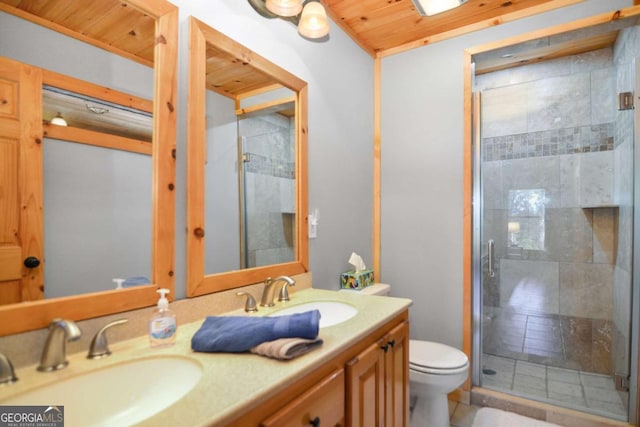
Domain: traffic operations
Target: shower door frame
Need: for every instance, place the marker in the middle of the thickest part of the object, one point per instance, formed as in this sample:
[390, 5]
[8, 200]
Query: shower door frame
[472, 269]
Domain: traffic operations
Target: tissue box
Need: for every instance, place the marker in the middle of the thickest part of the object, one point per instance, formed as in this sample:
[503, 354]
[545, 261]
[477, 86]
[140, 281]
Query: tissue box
[356, 280]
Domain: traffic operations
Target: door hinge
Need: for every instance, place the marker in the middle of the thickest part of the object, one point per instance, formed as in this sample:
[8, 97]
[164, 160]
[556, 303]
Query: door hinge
[622, 382]
[625, 101]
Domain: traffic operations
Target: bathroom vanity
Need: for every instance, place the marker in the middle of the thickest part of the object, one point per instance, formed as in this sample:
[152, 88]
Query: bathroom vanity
[357, 377]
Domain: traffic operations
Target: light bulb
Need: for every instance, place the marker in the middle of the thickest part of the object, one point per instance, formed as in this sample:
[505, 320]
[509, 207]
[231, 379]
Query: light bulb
[313, 22]
[58, 120]
[284, 7]
[433, 7]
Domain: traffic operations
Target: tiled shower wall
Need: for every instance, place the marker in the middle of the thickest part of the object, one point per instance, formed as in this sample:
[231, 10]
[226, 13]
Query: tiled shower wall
[553, 128]
[270, 188]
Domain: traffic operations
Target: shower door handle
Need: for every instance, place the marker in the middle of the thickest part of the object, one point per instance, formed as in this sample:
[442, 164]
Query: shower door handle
[490, 249]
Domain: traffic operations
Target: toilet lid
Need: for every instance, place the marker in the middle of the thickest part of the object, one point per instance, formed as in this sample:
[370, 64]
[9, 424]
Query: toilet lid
[433, 355]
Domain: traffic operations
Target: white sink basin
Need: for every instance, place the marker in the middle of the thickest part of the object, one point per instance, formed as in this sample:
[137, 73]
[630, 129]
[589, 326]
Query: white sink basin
[120, 394]
[331, 312]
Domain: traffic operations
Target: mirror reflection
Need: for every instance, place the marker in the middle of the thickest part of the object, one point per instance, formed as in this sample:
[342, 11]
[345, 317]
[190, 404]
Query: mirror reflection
[247, 166]
[97, 221]
[256, 156]
[96, 194]
[85, 199]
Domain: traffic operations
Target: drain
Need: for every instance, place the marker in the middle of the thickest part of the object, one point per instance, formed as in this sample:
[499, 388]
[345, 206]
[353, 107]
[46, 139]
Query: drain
[488, 371]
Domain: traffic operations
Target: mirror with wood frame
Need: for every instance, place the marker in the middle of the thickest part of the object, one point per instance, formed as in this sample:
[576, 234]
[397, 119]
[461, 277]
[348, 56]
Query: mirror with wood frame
[142, 31]
[235, 96]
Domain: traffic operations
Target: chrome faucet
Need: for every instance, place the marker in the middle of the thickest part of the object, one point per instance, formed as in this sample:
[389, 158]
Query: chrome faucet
[54, 355]
[7, 374]
[267, 295]
[284, 290]
[99, 346]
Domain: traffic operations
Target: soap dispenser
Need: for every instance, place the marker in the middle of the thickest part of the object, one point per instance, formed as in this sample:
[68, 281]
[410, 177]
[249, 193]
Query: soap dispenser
[162, 325]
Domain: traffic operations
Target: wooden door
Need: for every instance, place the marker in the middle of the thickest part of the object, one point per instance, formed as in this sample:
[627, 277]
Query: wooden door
[21, 223]
[397, 376]
[365, 388]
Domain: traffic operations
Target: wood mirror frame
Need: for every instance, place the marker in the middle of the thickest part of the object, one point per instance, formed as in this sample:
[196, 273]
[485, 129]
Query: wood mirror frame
[31, 315]
[240, 59]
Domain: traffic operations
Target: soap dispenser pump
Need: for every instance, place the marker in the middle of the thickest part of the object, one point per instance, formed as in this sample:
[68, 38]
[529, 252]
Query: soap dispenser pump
[162, 325]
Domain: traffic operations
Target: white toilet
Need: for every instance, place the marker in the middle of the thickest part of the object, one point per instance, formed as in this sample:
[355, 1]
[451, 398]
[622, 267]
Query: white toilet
[435, 370]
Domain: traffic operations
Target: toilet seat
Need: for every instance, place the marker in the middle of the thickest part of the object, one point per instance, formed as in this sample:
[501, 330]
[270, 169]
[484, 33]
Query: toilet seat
[435, 358]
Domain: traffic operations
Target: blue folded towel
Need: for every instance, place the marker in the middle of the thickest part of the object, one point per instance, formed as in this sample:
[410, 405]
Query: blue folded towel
[237, 334]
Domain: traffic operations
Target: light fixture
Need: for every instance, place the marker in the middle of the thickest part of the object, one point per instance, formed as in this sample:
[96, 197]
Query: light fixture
[284, 7]
[96, 110]
[58, 120]
[313, 21]
[309, 15]
[432, 7]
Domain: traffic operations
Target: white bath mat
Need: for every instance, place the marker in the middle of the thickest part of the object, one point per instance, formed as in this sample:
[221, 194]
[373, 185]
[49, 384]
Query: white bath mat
[490, 417]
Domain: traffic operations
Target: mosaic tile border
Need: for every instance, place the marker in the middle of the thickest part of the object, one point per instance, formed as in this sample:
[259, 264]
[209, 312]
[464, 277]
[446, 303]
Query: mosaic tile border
[580, 139]
[255, 163]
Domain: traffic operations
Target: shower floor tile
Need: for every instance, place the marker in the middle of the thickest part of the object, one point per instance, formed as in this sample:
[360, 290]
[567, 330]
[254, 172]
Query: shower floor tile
[548, 339]
[583, 391]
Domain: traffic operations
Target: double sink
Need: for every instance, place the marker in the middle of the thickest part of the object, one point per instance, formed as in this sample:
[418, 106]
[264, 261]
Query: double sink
[132, 391]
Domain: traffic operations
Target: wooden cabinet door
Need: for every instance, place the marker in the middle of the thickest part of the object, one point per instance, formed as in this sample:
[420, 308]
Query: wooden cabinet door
[365, 388]
[21, 223]
[321, 405]
[397, 376]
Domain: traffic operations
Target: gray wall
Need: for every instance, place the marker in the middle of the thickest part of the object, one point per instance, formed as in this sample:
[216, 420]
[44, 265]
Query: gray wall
[422, 166]
[222, 216]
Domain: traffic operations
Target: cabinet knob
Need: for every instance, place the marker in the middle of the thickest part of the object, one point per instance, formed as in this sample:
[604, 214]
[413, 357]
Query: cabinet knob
[315, 422]
[392, 343]
[385, 347]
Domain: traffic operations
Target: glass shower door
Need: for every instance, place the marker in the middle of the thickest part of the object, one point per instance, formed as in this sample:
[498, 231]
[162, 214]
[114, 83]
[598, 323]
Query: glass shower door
[267, 189]
[555, 211]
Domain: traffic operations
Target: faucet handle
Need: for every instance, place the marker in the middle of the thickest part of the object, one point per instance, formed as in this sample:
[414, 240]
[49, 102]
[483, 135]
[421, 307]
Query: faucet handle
[7, 374]
[284, 291]
[250, 304]
[99, 346]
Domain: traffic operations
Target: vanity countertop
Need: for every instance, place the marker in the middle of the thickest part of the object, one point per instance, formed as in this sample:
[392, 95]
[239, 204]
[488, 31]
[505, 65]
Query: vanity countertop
[230, 383]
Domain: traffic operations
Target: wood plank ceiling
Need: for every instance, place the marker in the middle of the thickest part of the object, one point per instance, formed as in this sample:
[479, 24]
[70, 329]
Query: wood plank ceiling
[113, 25]
[384, 27]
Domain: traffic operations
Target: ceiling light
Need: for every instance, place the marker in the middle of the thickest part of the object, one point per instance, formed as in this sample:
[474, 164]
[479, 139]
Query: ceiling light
[313, 22]
[58, 120]
[432, 7]
[284, 7]
[96, 110]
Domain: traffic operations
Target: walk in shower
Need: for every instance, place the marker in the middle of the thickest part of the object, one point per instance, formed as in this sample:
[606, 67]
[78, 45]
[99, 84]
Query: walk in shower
[267, 187]
[554, 179]
[250, 174]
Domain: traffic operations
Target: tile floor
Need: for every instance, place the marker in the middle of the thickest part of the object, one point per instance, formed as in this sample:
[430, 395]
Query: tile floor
[549, 339]
[584, 391]
[461, 415]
